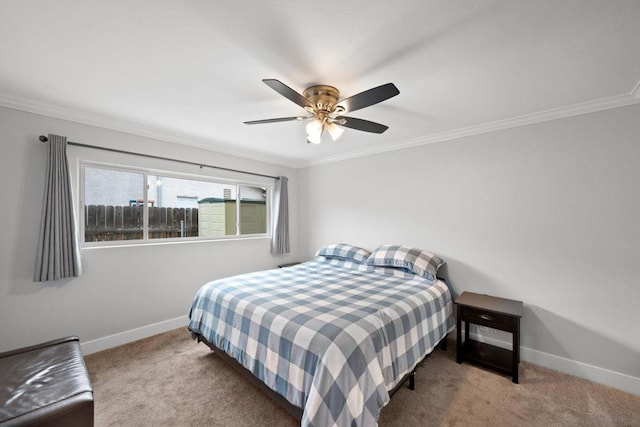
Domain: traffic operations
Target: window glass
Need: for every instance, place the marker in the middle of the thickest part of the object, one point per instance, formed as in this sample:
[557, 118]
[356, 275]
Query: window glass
[253, 210]
[129, 204]
[170, 215]
[113, 205]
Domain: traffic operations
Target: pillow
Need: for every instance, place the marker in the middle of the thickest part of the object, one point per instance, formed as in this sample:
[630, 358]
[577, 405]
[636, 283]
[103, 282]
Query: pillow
[415, 260]
[344, 251]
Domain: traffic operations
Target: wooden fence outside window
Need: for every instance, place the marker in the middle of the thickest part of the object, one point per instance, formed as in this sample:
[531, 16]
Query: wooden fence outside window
[104, 223]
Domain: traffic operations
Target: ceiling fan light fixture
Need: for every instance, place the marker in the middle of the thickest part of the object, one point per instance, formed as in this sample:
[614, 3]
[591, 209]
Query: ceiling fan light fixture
[335, 131]
[314, 127]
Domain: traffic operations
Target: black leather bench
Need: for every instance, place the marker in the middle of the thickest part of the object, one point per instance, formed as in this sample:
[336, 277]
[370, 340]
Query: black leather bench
[45, 385]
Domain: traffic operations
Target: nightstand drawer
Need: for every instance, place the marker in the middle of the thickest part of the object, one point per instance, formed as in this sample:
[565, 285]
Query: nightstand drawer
[488, 318]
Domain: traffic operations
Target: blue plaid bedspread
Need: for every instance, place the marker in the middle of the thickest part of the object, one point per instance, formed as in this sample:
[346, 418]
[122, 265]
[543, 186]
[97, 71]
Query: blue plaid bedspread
[330, 336]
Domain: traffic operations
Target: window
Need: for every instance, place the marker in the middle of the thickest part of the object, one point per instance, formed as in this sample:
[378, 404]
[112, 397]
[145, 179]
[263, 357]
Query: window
[125, 204]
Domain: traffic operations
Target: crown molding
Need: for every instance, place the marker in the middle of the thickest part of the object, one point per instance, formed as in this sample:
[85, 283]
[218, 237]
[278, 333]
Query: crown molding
[121, 125]
[482, 128]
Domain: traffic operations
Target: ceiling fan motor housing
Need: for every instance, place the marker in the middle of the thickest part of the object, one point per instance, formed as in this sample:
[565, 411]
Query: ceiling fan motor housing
[324, 99]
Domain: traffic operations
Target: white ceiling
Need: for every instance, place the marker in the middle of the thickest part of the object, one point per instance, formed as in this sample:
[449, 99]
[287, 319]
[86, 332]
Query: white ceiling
[190, 71]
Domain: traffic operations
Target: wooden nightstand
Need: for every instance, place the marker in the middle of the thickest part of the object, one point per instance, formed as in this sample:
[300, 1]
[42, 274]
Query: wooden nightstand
[492, 312]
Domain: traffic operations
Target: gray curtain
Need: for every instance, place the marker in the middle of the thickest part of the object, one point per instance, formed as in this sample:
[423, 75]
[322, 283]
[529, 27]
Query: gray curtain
[58, 254]
[280, 235]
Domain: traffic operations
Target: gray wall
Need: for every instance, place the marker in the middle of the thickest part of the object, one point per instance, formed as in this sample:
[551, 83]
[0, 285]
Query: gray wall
[547, 214]
[125, 292]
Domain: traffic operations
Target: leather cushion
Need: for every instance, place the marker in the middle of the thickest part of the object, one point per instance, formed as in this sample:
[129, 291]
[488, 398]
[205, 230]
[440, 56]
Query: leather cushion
[41, 376]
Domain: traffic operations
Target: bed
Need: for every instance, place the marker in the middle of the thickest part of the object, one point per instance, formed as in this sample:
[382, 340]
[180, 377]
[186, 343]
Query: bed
[333, 336]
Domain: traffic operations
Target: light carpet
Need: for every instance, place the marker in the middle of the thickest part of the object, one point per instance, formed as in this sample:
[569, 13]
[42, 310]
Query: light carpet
[169, 380]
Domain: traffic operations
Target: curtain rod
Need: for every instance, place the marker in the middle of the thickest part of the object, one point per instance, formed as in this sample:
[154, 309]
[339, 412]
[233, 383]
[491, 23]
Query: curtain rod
[201, 165]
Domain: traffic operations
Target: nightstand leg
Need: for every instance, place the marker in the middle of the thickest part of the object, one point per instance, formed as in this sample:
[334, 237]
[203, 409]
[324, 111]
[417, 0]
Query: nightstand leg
[459, 335]
[516, 349]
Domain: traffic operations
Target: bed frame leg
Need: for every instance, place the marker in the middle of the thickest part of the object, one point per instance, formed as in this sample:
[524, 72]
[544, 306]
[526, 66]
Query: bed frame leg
[412, 376]
[443, 343]
[412, 380]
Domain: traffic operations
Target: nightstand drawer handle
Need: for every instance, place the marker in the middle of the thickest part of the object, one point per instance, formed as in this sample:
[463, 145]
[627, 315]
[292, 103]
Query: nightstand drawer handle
[486, 317]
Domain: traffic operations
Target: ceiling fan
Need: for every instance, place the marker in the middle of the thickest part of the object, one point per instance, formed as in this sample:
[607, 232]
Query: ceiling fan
[326, 109]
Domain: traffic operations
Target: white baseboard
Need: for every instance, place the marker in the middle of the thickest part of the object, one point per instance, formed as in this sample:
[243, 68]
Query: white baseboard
[125, 337]
[583, 370]
[593, 373]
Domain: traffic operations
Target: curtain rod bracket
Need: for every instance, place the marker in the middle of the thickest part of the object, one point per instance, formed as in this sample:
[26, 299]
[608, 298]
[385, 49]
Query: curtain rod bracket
[43, 138]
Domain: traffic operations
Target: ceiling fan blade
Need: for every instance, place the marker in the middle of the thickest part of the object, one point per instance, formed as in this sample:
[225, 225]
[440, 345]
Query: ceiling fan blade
[369, 97]
[287, 92]
[280, 119]
[360, 124]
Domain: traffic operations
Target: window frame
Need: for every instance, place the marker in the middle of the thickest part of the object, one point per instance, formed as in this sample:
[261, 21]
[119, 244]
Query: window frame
[83, 164]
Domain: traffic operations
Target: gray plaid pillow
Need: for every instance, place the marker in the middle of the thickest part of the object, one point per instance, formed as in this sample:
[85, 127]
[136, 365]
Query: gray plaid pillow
[344, 251]
[415, 260]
